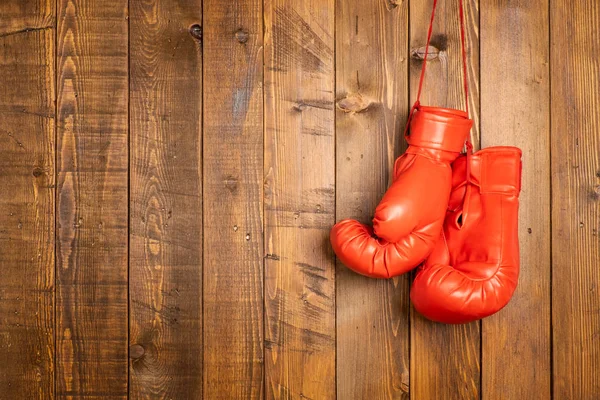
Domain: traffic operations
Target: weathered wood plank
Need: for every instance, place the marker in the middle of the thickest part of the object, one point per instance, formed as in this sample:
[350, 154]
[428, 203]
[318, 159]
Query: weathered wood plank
[299, 173]
[233, 199]
[92, 162]
[445, 359]
[515, 111]
[372, 105]
[575, 75]
[27, 176]
[165, 200]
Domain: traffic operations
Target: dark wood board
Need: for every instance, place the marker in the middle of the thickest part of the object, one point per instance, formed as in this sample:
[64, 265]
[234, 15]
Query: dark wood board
[165, 276]
[515, 112]
[371, 109]
[299, 179]
[92, 199]
[575, 102]
[27, 179]
[233, 199]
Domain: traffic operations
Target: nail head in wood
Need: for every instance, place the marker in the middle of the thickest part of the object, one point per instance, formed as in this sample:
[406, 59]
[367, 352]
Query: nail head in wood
[196, 32]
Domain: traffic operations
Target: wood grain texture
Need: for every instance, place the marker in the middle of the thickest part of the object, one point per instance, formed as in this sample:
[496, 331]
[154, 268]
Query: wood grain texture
[445, 359]
[372, 105]
[575, 75]
[27, 176]
[226, 304]
[233, 199]
[92, 162]
[515, 110]
[299, 176]
[165, 200]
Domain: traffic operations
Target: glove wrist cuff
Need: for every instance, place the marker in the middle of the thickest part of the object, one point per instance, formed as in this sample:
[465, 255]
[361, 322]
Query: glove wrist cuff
[494, 169]
[497, 169]
[439, 128]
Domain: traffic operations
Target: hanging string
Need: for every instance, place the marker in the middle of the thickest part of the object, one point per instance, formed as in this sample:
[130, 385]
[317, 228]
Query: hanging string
[424, 67]
[417, 103]
[464, 54]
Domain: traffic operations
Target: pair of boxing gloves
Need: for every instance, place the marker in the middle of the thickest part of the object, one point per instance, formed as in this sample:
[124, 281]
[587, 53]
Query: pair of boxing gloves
[453, 215]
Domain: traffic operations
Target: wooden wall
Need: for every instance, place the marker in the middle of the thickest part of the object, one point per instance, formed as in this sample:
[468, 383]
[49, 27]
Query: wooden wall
[170, 170]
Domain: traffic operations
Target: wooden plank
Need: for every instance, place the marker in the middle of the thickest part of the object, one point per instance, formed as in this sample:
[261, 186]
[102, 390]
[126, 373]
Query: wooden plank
[92, 162]
[165, 200]
[575, 75]
[27, 136]
[515, 111]
[233, 199]
[299, 199]
[372, 105]
[445, 359]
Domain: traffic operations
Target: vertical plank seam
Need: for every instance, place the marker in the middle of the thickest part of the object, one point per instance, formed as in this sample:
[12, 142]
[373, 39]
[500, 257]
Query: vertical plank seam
[201, 165]
[334, 258]
[550, 194]
[410, 308]
[479, 140]
[128, 189]
[264, 216]
[54, 319]
[203, 256]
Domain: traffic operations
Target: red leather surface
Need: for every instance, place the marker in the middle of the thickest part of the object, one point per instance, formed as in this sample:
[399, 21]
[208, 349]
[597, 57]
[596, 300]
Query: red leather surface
[473, 270]
[409, 218]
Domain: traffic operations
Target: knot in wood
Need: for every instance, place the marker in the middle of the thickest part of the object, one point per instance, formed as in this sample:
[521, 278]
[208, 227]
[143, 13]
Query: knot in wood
[391, 4]
[231, 183]
[419, 53]
[353, 103]
[37, 172]
[136, 351]
[241, 36]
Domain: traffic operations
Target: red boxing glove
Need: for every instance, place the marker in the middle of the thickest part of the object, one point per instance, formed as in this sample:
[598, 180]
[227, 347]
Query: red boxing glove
[409, 218]
[473, 270]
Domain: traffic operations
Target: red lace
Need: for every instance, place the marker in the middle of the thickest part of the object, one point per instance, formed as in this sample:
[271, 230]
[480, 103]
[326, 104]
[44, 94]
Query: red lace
[417, 103]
